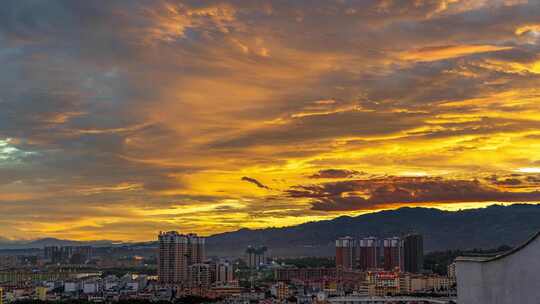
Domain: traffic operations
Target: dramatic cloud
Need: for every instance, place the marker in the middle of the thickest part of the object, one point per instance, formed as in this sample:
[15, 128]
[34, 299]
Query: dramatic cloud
[336, 173]
[158, 114]
[376, 193]
[255, 182]
[446, 52]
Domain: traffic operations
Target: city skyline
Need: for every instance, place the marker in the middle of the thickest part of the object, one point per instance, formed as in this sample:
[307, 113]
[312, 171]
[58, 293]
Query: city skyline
[122, 119]
[178, 267]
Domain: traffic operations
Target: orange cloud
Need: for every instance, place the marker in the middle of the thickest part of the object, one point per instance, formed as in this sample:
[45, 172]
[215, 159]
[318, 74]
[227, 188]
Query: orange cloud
[448, 52]
[204, 116]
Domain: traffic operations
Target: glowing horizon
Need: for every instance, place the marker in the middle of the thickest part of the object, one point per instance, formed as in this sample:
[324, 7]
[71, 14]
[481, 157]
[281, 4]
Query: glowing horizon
[451, 208]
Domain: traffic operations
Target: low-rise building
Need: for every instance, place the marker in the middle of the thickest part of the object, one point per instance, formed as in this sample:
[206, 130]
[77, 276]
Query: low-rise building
[280, 290]
[71, 287]
[8, 261]
[41, 293]
[90, 287]
[451, 271]
[287, 274]
[383, 283]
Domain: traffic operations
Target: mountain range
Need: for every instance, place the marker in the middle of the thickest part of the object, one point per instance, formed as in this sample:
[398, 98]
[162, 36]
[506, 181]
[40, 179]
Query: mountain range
[466, 229]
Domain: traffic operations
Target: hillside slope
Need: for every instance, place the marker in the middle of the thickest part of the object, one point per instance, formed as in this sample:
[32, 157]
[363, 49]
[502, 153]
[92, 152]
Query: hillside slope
[476, 228]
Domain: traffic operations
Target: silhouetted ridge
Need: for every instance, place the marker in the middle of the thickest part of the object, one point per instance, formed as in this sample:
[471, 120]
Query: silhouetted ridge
[474, 228]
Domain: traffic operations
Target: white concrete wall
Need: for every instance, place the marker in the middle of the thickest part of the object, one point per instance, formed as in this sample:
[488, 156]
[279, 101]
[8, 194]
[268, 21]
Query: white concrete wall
[514, 279]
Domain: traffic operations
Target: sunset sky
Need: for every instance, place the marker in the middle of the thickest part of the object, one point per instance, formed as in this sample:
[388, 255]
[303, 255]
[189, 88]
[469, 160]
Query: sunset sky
[119, 119]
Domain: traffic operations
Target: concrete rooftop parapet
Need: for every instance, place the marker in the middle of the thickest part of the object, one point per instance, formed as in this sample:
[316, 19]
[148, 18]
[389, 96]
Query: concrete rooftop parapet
[486, 259]
[512, 277]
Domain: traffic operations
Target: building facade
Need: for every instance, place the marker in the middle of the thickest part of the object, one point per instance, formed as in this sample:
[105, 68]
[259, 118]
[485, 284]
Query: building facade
[41, 293]
[224, 274]
[199, 275]
[413, 253]
[393, 254]
[280, 290]
[256, 256]
[382, 283]
[68, 254]
[368, 253]
[288, 274]
[510, 278]
[346, 251]
[177, 252]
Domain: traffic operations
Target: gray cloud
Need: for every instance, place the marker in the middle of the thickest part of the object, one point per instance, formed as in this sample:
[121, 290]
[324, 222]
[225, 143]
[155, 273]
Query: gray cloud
[108, 103]
[376, 193]
[255, 182]
[336, 173]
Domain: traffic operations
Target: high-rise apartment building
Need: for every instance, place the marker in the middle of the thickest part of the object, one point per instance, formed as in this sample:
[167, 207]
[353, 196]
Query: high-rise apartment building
[368, 252]
[393, 254]
[177, 252]
[58, 255]
[68, 254]
[256, 256]
[199, 275]
[346, 252]
[413, 253]
[224, 274]
[81, 254]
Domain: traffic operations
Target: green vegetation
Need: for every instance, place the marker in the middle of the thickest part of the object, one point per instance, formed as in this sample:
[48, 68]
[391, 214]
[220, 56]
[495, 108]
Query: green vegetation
[438, 261]
[119, 272]
[259, 277]
[309, 262]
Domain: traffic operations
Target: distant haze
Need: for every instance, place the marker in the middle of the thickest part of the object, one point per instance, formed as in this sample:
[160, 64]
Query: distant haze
[481, 228]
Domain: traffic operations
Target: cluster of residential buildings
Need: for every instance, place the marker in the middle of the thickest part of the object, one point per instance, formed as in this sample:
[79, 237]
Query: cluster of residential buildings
[371, 283]
[373, 267]
[366, 267]
[404, 254]
[92, 287]
[183, 266]
[72, 256]
[256, 256]
[12, 261]
[68, 254]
